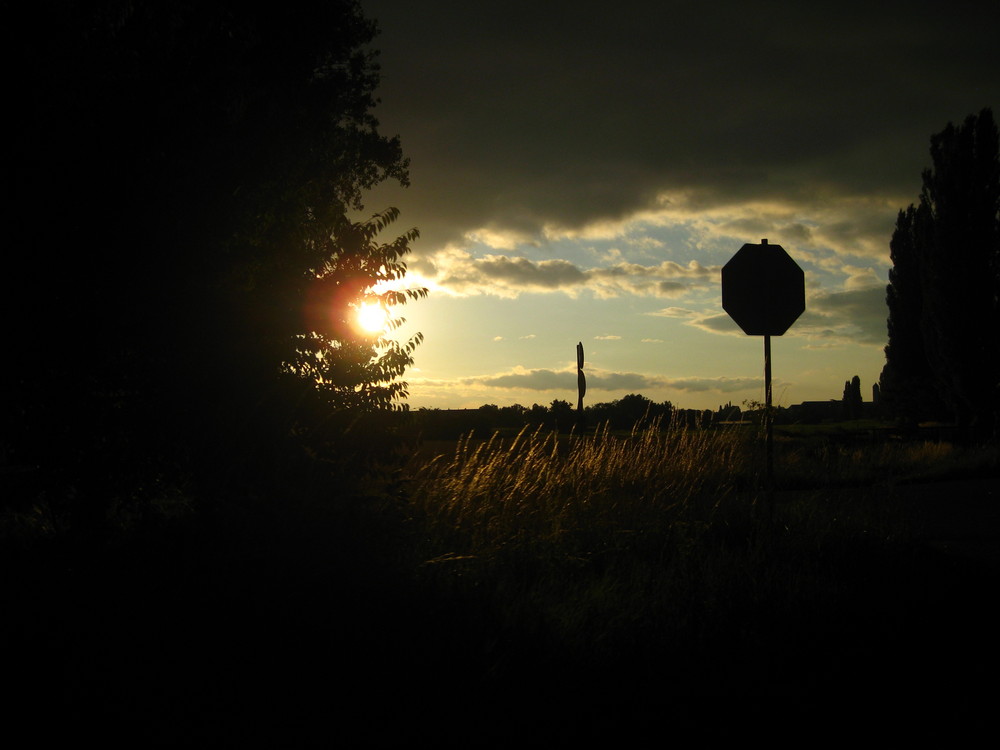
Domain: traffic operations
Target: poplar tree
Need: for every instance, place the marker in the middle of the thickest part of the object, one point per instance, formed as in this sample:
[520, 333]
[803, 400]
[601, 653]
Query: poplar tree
[944, 287]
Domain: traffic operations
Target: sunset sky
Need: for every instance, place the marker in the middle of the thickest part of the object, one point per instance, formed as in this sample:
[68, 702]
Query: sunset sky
[581, 172]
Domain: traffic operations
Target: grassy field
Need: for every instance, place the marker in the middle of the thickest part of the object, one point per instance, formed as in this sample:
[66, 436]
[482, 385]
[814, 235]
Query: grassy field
[655, 562]
[539, 583]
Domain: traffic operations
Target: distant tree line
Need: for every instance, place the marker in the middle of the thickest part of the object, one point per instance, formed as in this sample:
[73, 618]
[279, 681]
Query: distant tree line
[635, 409]
[621, 414]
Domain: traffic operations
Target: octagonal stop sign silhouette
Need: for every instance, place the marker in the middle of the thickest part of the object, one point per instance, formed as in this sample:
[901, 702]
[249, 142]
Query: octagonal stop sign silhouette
[763, 289]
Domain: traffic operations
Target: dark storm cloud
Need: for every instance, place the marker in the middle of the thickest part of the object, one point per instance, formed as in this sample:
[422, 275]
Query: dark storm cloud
[520, 115]
[522, 273]
[859, 316]
[462, 274]
[856, 316]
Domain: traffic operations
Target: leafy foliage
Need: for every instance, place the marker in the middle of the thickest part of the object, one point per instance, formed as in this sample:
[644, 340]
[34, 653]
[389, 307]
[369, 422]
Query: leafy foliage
[352, 368]
[179, 171]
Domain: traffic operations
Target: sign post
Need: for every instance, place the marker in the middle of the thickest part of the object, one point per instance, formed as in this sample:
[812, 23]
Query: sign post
[764, 291]
[768, 420]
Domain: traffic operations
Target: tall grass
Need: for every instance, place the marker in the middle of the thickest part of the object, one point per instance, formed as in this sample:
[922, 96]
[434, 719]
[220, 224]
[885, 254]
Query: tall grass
[575, 494]
[652, 546]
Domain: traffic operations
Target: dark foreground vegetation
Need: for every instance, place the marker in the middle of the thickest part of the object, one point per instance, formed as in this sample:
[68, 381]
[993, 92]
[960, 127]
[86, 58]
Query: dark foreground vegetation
[209, 535]
[549, 584]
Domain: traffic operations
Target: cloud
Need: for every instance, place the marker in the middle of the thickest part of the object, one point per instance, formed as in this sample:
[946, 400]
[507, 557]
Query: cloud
[608, 337]
[815, 138]
[561, 380]
[675, 312]
[722, 385]
[856, 316]
[568, 149]
[594, 118]
[459, 273]
[532, 380]
[709, 321]
[719, 323]
[543, 379]
[859, 279]
[801, 221]
[516, 274]
[850, 317]
[501, 239]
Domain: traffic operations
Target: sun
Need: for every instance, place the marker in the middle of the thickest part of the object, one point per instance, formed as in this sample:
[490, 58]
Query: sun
[371, 318]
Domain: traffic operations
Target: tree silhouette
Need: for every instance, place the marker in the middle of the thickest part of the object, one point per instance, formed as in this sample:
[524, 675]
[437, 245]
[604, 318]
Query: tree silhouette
[907, 382]
[853, 402]
[562, 415]
[944, 318]
[629, 410]
[352, 368]
[179, 170]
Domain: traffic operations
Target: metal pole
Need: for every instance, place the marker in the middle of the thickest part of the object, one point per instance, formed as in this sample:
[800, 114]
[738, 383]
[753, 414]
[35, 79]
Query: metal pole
[768, 421]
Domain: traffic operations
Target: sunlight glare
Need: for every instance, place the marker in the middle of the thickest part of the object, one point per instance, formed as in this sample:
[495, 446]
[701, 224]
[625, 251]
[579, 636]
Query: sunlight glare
[372, 318]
